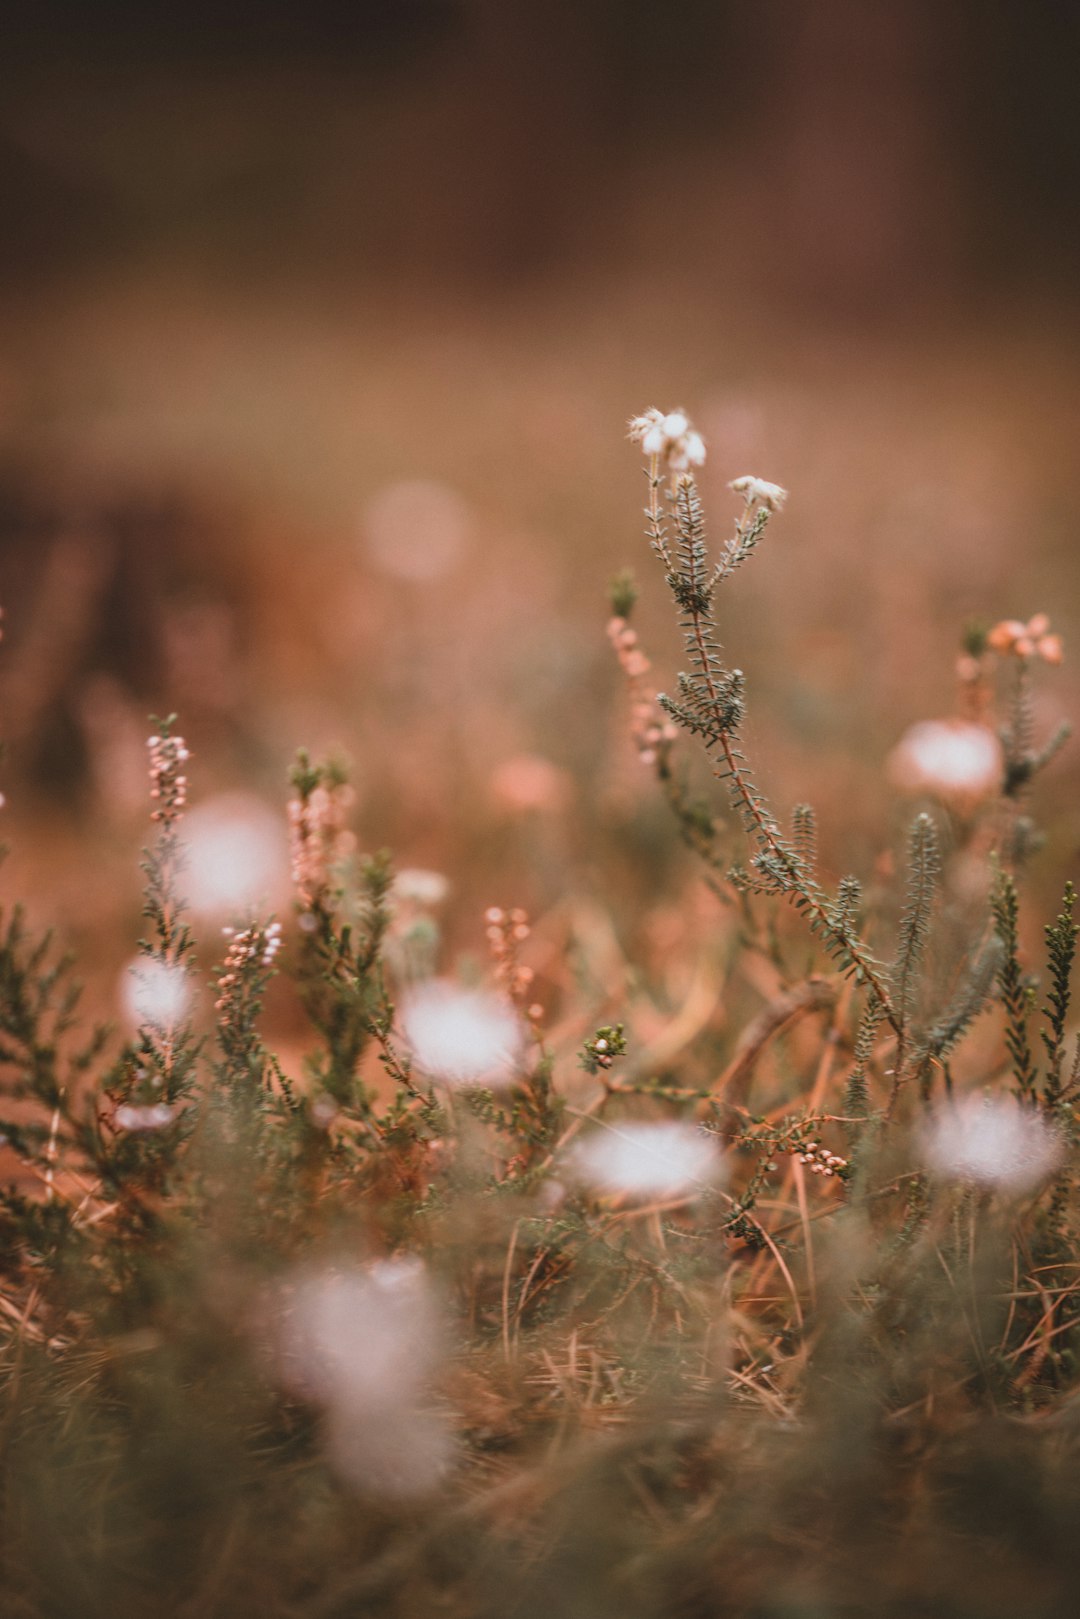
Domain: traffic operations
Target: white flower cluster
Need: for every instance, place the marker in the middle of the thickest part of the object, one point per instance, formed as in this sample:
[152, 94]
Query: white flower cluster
[759, 492]
[670, 437]
[250, 944]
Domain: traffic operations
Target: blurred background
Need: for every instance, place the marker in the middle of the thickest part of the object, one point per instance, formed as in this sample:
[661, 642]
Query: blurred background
[319, 330]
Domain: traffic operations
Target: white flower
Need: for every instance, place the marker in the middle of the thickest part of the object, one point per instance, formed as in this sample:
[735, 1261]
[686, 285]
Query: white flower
[154, 1116]
[155, 993]
[237, 856]
[363, 1338]
[391, 1456]
[953, 759]
[363, 1342]
[758, 491]
[419, 887]
[694, 449]
[996, 1143]
[669, 436]
[462, 1036]
[646, 1160]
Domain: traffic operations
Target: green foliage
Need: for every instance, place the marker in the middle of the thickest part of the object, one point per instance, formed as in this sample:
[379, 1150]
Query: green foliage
[924, 863]
[624, 593]
[1016, 990]
[1061, 950]
[604, 1048]
[710, 705]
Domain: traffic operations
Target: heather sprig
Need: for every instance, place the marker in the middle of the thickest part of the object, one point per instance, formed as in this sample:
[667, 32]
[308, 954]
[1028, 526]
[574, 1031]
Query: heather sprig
[710, 704]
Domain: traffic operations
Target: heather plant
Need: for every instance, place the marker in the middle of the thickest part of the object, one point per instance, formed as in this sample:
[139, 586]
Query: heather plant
[527, 1291]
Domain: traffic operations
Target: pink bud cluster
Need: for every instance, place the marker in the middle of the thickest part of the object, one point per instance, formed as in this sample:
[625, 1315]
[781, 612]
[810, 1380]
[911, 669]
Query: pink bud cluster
[650, 731]
[818, 1159]
[1030, 640]
[168, 783]
[253, 947]
[506, 930]
[318, 838]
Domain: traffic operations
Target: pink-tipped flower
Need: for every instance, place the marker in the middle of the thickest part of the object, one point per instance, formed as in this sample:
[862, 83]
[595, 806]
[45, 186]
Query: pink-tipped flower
[169, 757]
[1030, 640]
[954, 760]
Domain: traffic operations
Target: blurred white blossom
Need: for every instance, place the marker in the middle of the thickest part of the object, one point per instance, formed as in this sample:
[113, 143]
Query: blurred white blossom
[416, 886]
[646, 1160]
[155, 993]
[953, 760]
[237, 857]
[394, 1456]
[363, 1342]
[462, 1036]
[360, 1336]
[996, 1143]
[152, 1116]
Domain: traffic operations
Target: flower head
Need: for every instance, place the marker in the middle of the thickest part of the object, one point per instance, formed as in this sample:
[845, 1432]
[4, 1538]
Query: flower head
[1030, 640]
[670, 437]
[169, 756]
[759, 492]
[318, 837]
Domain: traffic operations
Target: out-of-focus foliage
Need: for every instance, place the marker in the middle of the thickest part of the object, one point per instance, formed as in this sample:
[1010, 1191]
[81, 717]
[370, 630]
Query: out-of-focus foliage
[733, 1277]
